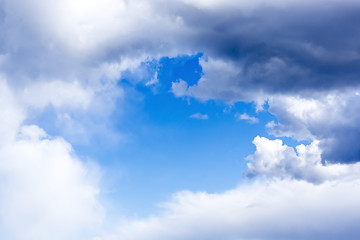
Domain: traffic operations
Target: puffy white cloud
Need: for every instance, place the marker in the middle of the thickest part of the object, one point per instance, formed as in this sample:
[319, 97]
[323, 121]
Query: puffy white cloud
[46, 191]
[273, 159]
[298, 199]
[283, 209]
[331, 118]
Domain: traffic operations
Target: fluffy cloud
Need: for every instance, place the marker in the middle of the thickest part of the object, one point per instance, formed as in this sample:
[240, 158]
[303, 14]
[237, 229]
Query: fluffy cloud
[301, 56]
[46, 191]
[330, 118]
[275, 160]
[275, 210]
[298, 199]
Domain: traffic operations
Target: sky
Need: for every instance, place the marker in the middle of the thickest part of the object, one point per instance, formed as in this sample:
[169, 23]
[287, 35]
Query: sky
[172, 120]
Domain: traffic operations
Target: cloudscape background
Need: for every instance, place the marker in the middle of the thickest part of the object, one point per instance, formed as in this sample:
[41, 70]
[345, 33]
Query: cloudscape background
[201, 119]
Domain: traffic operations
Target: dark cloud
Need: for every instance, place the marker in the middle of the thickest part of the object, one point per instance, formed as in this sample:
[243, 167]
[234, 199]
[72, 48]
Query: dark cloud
[315, 42]
[331, 118]
[317, 45]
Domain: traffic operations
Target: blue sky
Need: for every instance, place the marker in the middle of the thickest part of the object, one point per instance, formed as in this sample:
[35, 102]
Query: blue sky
[163, 143]
[169, 120]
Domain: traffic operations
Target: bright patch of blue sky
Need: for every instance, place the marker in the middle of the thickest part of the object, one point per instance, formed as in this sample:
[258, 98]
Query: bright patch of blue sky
[162, 148]
[165, 150]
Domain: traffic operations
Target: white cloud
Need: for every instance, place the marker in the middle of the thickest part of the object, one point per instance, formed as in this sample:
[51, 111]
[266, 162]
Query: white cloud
[11, 115]
[275, 160]
[46, 191]
[298, 199]
[331, 118]
[217, 82]
[199, 116]
[153, 81]
[221, 80]
[244, 116]
[179, 88]
[57, 93]
[283, 209]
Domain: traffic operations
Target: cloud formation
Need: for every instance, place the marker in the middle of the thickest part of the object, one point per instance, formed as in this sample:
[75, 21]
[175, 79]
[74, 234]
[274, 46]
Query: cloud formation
[300, 57]
[275, 160]
[330, 118]
[246, 117]
[276, 210]
[46, 191]
[199, 116]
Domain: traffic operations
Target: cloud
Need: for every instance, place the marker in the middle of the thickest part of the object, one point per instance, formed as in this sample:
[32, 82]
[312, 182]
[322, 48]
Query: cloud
[287, 53]
[283, 209]
[11, 115]
[199, 116]
[275, 160]
[244, 116]
[58, 94]
[179, 88]
[299, 55]
[46, 191]
[69, 37]
[294, 197]
[153, 81]
[331, 118]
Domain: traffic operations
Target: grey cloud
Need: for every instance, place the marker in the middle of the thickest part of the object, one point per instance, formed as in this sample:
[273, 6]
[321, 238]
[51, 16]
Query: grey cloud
[254, 50]
[331, 118]
[316, 45]
[251, 50]
[281, 50]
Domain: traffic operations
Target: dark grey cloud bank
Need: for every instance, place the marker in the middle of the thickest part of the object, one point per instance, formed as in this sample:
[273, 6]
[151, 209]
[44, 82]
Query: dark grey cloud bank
[287, 49]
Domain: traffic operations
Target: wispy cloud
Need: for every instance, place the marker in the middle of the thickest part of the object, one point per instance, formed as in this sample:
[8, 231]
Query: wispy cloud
[199, 116]
[246, 117]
